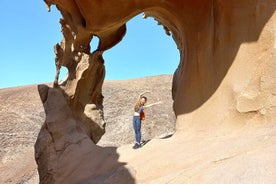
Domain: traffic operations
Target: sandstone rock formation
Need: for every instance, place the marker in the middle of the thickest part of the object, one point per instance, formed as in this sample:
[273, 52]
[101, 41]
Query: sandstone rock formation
[225, 82]
[22, 115]
[64, 151]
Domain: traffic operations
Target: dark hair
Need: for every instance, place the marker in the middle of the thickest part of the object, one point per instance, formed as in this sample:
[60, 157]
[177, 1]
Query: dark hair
[138, 103]
[145, 98]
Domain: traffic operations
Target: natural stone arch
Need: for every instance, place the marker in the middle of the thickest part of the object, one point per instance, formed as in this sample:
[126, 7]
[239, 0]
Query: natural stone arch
[143, 41]
[86, 70]
[209, 35]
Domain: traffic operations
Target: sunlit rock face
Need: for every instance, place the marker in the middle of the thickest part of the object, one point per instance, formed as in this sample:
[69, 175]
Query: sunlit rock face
[225, 79]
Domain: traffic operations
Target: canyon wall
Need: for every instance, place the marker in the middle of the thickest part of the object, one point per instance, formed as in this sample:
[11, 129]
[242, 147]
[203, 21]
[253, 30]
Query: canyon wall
[225, 79]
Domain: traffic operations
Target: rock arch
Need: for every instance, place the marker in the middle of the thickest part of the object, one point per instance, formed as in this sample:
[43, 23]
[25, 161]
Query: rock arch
[217, 41]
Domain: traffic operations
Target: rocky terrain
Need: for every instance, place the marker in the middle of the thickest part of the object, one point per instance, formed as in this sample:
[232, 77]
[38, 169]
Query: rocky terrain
[119, 97]
[22, 115]
[244, 155]
[224, 92]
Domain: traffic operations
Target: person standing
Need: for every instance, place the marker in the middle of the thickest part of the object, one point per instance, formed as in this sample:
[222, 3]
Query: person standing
[138, 116]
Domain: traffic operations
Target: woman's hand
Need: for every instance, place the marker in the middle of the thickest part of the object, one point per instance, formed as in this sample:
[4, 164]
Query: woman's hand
[144, 93]
[140, 96]
[159, 102]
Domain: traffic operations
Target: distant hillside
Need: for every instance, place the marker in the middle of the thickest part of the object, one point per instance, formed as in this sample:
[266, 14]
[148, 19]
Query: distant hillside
[119, 100]
[22, 115]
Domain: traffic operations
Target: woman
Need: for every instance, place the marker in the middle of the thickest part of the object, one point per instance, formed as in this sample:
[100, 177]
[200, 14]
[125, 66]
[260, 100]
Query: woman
[138, 112]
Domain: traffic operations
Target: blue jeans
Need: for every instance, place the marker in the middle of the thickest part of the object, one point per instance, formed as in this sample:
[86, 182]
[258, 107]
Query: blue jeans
[137, 128]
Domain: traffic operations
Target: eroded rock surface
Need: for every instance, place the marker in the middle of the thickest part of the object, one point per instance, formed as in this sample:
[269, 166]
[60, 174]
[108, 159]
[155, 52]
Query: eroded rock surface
[225, 79]
[66, 154]
[22, 115]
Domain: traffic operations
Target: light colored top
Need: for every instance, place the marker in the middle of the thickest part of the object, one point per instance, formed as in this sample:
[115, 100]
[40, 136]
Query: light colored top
[139, 111]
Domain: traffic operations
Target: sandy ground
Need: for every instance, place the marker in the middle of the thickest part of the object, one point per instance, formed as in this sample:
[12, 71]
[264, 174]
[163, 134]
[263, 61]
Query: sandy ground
[245, 156]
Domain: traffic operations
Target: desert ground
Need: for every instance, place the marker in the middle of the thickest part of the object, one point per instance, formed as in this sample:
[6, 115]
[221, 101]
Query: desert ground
[241, 152]
[22, 115]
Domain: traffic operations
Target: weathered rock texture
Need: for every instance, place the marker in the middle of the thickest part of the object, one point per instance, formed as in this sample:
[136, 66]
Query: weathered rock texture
[22, 115]
[225, 83]
[64, 151]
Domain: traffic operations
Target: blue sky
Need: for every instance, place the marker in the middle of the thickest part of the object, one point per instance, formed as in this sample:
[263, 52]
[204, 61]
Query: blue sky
[28, 33]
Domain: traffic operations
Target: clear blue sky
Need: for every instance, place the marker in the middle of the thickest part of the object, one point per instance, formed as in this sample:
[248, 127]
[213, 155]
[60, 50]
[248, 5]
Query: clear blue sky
[28, 33]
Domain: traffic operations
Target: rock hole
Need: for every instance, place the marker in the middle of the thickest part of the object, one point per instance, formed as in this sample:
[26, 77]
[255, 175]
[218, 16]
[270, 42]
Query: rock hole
[94, 43]
[136, 64]
[63, 74]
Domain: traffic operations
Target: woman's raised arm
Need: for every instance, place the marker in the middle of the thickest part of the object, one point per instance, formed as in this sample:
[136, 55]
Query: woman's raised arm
[140, 96]
[156, 103]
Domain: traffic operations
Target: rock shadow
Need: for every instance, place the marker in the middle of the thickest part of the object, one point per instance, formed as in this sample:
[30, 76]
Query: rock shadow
[111, 171]
[66, 154]
[212, 51]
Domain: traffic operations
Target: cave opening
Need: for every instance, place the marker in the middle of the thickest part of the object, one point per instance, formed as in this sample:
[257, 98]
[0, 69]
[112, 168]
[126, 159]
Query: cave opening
[144, 60]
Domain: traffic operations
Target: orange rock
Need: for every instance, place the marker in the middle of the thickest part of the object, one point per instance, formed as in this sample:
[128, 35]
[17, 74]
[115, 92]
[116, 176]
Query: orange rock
[227, 49]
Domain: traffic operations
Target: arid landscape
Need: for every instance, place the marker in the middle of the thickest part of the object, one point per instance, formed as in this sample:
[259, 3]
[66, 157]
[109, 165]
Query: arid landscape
[119, 97]
[222, 128]
[22, 115]
[244, 155]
